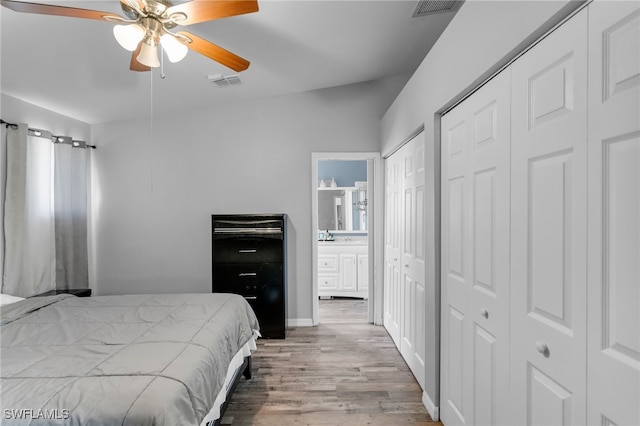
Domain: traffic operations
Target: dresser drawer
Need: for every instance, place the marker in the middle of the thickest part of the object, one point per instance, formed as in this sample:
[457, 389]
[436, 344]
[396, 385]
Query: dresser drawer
[269, 306]
[328, 263]
[247, 250]
[246, 279]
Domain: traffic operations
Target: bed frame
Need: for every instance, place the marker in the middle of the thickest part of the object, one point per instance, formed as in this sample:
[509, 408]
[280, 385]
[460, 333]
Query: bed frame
[244, 370]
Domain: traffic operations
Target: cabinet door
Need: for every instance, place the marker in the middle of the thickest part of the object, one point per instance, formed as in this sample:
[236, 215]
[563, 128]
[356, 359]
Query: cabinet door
[613, 353]
[548, 229]
[363, 274]
[348, 272]
[475, 257]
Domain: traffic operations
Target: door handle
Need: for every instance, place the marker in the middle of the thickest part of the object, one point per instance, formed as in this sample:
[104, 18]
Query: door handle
[484, 313]
[542, 347]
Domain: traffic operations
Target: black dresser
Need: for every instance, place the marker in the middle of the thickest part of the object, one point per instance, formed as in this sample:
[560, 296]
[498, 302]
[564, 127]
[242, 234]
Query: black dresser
[249, 254]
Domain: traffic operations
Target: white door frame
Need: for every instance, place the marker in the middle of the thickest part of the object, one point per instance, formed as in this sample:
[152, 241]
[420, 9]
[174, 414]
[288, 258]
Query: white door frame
[374, 194]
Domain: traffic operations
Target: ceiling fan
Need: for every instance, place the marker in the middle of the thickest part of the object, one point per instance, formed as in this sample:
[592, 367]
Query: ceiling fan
[149, 24]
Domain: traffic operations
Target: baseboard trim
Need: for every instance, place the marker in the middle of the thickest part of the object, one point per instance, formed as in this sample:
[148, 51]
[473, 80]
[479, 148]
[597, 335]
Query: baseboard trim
[433, 411]
[299, 322]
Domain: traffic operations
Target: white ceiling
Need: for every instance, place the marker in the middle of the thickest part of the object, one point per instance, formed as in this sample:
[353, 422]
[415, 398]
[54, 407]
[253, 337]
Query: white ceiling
[75, 66]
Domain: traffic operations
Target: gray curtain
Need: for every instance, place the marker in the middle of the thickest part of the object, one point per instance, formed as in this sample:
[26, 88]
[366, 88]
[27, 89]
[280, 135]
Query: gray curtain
[70, 200]
[29, 255]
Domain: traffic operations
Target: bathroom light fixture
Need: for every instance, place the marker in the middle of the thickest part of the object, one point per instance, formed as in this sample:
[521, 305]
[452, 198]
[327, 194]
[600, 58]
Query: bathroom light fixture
[362, 202]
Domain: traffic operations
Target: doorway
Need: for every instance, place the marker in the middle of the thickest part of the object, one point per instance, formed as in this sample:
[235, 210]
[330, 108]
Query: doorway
[345, 248]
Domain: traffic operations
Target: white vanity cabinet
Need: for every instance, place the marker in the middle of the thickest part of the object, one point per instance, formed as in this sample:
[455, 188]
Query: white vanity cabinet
[343, 270]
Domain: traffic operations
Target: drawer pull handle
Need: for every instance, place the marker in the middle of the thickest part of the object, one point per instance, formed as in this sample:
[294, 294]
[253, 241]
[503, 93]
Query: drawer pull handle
[247, 274]
[247, 251]
[251, 297]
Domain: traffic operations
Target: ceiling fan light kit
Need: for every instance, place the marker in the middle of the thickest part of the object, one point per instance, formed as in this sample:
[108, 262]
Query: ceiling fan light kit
[176, 51]
[129, 36]
[150, 25]
[149, 53]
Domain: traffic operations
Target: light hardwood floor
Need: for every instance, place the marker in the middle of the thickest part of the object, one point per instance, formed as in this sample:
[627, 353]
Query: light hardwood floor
[343, 372]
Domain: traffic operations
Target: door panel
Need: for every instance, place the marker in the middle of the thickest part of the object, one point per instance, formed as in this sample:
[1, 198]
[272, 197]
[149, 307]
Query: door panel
[484, 401]
[548, 229]
[613, 352]
[475, 256]
[455, 232]
[455, 405]
[413, 261]
[392, 286]
[484, 227]
[405, 296]
[550, 283]
[348, 272]
[550, 403]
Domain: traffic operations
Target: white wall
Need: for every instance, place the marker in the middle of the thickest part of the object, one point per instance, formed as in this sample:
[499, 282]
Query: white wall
[157, 182]
[15, 110]
[482, 36]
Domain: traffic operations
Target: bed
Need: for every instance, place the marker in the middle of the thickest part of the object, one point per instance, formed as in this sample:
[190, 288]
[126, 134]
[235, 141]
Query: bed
[128, 360]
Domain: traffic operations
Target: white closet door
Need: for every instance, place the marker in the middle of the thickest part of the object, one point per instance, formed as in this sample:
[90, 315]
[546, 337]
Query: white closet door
[412, 342]
[548, 229]
[613, 355]
[475, 257]
[455, 403]
[489, 300]
[393, 210]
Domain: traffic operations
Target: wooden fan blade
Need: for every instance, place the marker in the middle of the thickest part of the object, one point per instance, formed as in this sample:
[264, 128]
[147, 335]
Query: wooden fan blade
[135, 65]
[215, 52]
[47, 9]
[206, 10]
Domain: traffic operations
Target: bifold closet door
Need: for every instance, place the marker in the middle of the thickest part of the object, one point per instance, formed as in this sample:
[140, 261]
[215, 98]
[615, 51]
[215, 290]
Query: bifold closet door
[613, 355]
[475, 257]
[549, 229]
[412, 269]
[392, 235]
[405, 245]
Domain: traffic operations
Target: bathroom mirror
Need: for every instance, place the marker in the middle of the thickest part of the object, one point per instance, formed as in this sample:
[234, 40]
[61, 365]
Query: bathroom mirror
[342, 209]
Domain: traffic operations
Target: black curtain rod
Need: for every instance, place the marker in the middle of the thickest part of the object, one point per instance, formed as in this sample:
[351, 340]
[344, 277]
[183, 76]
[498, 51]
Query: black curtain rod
[54, 138]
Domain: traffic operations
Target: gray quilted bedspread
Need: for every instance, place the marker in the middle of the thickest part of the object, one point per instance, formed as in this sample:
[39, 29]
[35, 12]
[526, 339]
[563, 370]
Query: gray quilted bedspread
[118, 360]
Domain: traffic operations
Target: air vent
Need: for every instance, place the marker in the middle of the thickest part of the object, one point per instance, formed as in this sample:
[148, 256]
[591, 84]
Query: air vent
[429, 7]
[224, 80]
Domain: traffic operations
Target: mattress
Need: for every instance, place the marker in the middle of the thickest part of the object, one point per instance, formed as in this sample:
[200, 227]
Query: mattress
[127, 360]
